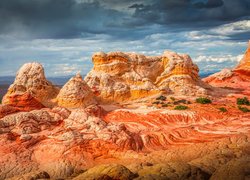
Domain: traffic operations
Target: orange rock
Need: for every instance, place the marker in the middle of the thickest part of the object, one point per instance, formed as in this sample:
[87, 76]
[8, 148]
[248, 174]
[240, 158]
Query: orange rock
[244, 65]
[118, 76]
[6, 109]
[236, 78]
[30, 84]
[24, 102]
[75, 93]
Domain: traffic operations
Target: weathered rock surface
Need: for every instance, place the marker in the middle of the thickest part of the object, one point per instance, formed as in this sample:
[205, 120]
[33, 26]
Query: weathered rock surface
[234, 170]
[176, 170]
[138, 140]
[75, 93]
[237, 78]
[6, 109]
[31, 122]
[30, 89]
[32, 176]
[110, 171]
[244, 65]
[118, 76]
[64, 143]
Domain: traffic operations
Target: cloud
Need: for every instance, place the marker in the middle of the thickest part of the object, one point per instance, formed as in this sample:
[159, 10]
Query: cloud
[214, 63]
[55, 18]
[232, 28]
[190, 13]
[63, 34]
[219, 59]
[209, 4]
[60, 19]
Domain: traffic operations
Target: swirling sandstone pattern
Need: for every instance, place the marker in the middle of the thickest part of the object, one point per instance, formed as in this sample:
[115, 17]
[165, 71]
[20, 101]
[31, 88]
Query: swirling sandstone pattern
[118, 76]
[68, 135]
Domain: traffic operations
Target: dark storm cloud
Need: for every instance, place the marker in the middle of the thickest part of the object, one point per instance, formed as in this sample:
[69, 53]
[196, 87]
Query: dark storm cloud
[209, 4]
[211, 12]
[55, 18]
[127, 19]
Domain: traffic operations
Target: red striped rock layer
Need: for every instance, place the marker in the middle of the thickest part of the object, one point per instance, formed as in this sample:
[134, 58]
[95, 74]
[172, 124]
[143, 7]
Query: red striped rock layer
[59, 141]
[165, 128]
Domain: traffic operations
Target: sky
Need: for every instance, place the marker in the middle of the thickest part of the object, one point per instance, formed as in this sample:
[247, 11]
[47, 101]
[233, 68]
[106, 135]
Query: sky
[63, 34]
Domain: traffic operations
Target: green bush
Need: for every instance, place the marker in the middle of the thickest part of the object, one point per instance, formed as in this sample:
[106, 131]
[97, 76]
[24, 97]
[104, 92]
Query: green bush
[162, 98]
[222, 109]
[156, 102]
[172, 98]
[243, 101]
[182, 101]
[243, 109]
[203, 100]
[180, 107]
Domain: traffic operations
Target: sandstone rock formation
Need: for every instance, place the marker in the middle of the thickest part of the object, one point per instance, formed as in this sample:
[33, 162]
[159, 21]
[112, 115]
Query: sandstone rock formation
[119, 76]
[32, 122]
[86, 140]
[75, 93]
[239, 77]
[30, 89]
[108, 171]
[6, 109]
[244, 65]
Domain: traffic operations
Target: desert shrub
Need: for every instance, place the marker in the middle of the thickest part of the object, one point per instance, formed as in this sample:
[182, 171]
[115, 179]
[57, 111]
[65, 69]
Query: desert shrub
[156, 102]
[180, 107]
[162, 98]
[222, 109]
[172, 98]
[164, 105]
[182, 101]
[203, 100]
[243, 101]
[243, 109]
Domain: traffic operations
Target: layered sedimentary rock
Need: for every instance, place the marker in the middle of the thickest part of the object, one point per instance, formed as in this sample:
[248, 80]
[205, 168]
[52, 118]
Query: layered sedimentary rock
[138, 140]
[7, 109]
[238, 77]
[244, 65]
[62, 143]
[119, 76]
[30, 89]
[75, 93]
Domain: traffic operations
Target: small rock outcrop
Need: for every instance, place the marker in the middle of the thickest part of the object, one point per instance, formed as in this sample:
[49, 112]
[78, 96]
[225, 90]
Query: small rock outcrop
[30, 89]
[75, 93]
[236, 77]
[118, 76]
[108, 171]
[244, 65]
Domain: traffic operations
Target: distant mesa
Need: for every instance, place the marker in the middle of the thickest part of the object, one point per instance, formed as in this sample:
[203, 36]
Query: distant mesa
[118, 76]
